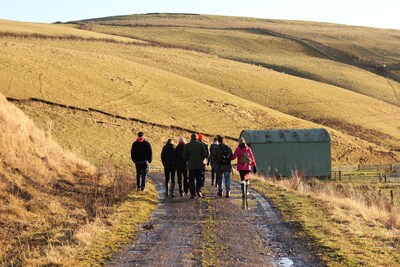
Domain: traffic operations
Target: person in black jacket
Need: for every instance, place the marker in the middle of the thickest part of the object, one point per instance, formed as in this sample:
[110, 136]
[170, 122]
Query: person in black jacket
[200, 137]
[142, 155]
[181, 168]
[168, 161]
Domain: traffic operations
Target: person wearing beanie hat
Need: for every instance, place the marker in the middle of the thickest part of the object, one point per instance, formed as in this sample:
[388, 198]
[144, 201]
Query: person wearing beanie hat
[141, 155]
[195, 153]
[245, 164]
[200, 137]
[181, 168]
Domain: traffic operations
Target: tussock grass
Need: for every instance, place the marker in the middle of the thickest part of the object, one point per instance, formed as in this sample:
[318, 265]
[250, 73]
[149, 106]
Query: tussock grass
[350, 226]
[49, 198]
[370, 202]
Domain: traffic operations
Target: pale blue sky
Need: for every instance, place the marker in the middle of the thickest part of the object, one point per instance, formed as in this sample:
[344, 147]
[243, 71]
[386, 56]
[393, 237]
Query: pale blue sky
[381, 13]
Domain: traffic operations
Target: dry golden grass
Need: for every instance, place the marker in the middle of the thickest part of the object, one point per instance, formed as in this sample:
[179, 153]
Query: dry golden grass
[154, 80]
[43, 31]
[50, 210]
[285, 46]
[31, 151]
[253, 43]
[353, 40]
[48, 197]
[128, 88]
[351, 227]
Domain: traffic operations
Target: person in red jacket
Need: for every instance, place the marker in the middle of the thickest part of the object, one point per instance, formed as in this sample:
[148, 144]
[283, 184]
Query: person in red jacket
[245, 164]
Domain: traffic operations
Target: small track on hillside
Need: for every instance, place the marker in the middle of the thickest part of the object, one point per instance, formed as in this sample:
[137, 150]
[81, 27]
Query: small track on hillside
[215, 231]
[93, 110]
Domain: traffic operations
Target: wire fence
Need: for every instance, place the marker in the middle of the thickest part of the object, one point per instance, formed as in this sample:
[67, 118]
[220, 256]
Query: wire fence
[386, 173]
[395, 167]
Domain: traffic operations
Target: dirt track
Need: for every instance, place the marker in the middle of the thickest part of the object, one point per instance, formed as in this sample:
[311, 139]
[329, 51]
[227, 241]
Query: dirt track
[214, 231]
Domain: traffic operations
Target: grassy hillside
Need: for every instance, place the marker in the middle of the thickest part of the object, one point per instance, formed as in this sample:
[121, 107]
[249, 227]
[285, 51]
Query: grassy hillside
[174, 86]
[53, 205]
[171, 82]
[312, 50]
[46, 31]
[167, 75]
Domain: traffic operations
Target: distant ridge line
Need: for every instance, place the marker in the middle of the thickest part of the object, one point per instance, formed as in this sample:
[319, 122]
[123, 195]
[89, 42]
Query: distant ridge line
[47, 102]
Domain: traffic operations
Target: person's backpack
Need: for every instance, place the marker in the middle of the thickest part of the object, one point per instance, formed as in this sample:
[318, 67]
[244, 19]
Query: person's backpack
[245, 158]
[225, 155]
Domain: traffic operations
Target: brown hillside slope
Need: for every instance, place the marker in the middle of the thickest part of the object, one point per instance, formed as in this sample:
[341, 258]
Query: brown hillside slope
[238, 40]
[170, 86]
[53, 206]
[317, 51]
[31, 167]
[58, 71]
[38, 30]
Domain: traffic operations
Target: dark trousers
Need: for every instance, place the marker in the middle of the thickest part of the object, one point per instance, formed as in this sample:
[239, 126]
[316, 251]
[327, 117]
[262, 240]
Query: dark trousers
[195, 181]
[169, 174]
[142, 169]
[183, 180]
[213, 176]
[244, 175]
[203, 178]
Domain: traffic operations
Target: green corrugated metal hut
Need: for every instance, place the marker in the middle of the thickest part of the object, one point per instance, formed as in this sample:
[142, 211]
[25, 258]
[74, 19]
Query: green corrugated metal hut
[281, 152]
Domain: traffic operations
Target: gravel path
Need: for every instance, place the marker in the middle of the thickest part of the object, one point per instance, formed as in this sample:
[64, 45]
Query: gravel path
[215, 231]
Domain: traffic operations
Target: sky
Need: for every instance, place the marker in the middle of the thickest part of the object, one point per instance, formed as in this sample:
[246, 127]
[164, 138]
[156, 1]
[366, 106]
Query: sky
[371, 13]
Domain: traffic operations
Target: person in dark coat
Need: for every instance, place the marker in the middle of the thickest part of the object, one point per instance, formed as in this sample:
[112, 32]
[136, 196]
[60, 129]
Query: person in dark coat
[221, 157]
[168, 161]
[200, 137]
[181, 168]
[141, 155]
[210, 161]
[195, 153]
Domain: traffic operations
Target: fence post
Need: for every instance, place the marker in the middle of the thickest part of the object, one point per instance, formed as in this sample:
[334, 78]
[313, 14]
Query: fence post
[340, 175]
[385, 178]
[380, 177]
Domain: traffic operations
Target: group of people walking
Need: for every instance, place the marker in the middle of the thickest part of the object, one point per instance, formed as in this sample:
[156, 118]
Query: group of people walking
[187, 160]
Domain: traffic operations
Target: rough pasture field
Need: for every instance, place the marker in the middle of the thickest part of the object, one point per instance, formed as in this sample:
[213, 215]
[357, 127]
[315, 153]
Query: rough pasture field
[156, 84]
[175, 74]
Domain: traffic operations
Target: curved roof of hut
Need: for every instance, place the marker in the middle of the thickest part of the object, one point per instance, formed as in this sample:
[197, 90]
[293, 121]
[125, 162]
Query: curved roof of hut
[285, 135]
